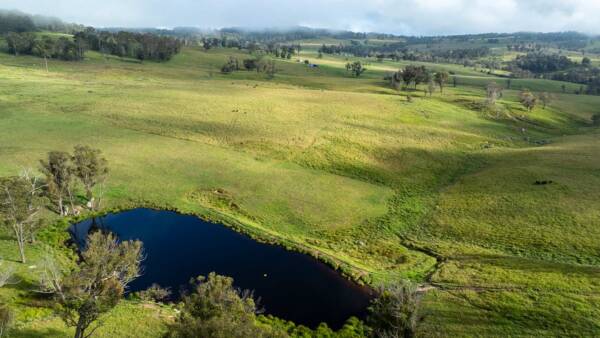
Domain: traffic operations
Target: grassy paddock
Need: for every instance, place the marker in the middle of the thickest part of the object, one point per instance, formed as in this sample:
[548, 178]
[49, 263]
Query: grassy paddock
[344, 168]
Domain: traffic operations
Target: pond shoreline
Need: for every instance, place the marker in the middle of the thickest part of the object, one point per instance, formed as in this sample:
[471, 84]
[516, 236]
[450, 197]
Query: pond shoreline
[292, 285]
[345, 269]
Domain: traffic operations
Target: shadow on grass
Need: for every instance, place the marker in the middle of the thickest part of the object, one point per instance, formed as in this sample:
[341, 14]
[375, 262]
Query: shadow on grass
[32, 333]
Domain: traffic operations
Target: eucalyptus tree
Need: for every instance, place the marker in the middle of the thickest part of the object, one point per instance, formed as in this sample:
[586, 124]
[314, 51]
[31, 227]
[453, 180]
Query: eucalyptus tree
[107, 267]
[59, 178]
[528, 100]
[90, 167]
[545, 98]
[44, 48]
[440, 79]
[493, 92]
[355, 68]
[19, 204]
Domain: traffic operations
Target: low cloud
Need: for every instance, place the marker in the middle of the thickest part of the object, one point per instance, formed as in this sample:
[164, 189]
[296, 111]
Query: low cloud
[413, 17]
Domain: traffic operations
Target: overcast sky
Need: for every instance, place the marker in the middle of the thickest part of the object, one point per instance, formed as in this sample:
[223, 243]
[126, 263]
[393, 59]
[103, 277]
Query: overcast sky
[412, 17]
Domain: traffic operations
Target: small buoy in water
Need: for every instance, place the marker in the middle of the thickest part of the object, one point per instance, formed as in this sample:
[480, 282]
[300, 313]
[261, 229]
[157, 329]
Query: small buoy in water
[265, 275]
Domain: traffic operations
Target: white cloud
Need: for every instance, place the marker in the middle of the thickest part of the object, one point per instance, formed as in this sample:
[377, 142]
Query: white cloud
[394, 16]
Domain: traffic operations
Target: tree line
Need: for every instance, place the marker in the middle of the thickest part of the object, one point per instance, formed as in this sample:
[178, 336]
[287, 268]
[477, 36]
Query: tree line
[141, 46]
[560, 68]
[400, 51]
[27, 43]
[123, 44]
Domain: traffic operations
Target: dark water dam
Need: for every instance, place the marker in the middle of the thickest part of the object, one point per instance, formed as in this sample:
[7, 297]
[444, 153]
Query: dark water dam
[290, 285]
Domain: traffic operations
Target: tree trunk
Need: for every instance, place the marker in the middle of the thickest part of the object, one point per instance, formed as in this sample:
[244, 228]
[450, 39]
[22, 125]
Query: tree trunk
[22, 251]
[60, 206]
[71, 201]
[88, 193]
[20, 241]
[79, 331]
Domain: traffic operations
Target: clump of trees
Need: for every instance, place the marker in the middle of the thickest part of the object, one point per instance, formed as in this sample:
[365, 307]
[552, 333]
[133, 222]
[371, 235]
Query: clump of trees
[528, 100]
[355, 68]
[543, 63]
[46, 47]
[260, 64]
[63, 171]
[394, 312]
[230, 66]
[22, 197]
[216, 309]
[415, 75]
[282, 51]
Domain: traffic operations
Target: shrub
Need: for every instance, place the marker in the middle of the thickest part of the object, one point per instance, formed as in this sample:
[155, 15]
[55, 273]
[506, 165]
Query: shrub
[250, 64]
[394, 312]
[154, 293]
[216, 309]
[596, 120]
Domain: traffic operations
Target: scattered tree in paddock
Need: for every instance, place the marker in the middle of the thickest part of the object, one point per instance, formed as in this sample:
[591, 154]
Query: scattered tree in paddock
[394, 312]
[19, 204]
[216, 309]
[91, 168]
[355, 68]
[440, 79]
[430, 88]
[528, 100]
[545, 98]
[59, 178]
[493, 92]
[586, 62]
[98, 285]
